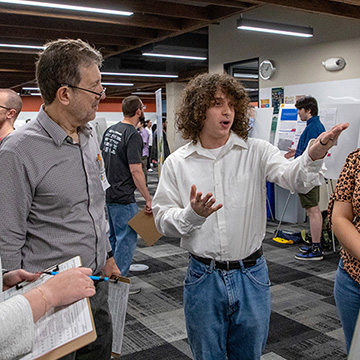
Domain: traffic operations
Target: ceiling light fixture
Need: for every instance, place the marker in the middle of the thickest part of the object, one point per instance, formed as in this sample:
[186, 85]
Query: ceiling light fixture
[18, 46]
[246, 76]
[143, 93]
[67, 7]
[187, 57]
[116, 84]
[140, 74]
[275, 28]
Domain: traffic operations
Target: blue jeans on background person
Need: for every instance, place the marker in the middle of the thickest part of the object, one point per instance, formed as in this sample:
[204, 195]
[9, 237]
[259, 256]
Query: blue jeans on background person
[122, 237]
[227, 312]
[347, 298]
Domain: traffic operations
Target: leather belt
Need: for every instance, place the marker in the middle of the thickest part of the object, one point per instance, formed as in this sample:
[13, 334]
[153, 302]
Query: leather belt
[231, 265]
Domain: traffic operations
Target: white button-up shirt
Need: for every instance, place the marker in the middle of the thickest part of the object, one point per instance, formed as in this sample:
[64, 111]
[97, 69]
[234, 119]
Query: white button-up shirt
[237, 179]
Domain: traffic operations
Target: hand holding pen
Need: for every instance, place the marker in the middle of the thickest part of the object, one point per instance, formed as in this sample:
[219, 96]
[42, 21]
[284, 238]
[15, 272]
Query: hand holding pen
[65, 288]
[92, 277]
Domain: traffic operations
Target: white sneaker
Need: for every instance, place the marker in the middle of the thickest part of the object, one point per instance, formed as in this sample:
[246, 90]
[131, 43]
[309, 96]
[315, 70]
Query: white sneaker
[150, 170]
[134, 289]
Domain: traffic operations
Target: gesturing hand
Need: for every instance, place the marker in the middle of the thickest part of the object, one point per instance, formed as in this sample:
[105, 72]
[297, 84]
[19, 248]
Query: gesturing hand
[290, 153]
[326, 141]
[203, 206]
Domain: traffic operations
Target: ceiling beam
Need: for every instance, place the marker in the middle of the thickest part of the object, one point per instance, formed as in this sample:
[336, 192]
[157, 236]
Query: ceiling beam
[227, 3]
[158, 8]
[43, 35]
[33, 22]
[316, 6]
[143, 21]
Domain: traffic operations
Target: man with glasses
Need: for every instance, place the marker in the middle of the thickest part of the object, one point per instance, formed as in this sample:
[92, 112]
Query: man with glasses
[52, 190]
[122, 152]
[10, 107]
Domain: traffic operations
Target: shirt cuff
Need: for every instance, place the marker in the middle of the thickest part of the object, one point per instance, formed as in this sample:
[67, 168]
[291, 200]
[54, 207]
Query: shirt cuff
[191, 217]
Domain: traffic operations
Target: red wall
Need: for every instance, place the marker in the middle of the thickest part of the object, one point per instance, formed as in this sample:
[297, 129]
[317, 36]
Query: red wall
[33, 103]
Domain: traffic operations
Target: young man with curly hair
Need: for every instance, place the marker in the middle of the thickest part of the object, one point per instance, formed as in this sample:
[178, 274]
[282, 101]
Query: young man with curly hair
[226, 289]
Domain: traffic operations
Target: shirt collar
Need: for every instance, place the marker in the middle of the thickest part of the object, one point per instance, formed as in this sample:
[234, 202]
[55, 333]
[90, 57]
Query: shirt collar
[312, 120]
[59, 135]
[233, 141]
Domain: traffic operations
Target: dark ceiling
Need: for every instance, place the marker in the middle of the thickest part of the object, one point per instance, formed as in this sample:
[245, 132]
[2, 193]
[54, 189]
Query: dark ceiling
[165, 26]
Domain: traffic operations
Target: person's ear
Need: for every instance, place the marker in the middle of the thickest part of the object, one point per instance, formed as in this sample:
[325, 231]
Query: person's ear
[11, 113]
[63, 95]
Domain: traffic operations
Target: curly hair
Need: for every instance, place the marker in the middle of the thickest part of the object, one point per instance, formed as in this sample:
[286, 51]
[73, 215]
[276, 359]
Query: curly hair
[199, 95]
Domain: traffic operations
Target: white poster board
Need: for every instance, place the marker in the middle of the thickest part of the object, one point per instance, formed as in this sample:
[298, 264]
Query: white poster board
[348, 140]
[262, 124]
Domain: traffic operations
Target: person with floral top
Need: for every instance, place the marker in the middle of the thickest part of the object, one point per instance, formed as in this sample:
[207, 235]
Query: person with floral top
[344, 213]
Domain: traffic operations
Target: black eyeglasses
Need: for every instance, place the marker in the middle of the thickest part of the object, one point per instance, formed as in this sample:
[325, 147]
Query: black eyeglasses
[4, 107]
[100, 94]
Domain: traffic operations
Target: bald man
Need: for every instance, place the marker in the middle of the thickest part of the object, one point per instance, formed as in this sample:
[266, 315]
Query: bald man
[10, 107]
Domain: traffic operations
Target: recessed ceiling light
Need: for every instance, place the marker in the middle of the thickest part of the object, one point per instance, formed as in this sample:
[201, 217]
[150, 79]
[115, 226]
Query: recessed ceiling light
[140, 74]
[176, 56]
[19, 46]
[143, 93]
[117, 84]
[67, 7]
[246, 76]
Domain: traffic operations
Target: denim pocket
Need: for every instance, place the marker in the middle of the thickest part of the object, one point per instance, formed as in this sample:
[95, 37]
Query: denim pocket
[196, 272]
[258, 273]
[341, 264]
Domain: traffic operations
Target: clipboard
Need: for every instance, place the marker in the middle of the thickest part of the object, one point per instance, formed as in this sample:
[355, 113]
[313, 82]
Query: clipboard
[72, 345]
[144, 225]
[81, 307]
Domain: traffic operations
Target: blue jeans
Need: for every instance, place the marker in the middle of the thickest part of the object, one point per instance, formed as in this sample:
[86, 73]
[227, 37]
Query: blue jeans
[227, 312]
[347, 298]
[122, 237]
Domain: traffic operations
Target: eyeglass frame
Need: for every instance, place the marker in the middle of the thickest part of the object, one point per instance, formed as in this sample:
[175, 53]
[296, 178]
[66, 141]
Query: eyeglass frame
[4, 107]
[100, 94]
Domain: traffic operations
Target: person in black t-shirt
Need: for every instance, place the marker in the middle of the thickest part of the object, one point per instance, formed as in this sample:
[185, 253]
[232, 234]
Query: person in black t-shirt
[122, 151]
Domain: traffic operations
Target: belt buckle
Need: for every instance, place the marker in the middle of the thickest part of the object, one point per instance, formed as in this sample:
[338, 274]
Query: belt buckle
[227, 265]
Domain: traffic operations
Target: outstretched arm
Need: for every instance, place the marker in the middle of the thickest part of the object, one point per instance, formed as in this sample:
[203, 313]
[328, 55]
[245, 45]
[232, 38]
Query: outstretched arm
[325, 141]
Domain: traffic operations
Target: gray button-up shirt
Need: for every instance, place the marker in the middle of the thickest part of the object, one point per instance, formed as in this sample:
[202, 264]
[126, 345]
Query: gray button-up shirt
[51, 198]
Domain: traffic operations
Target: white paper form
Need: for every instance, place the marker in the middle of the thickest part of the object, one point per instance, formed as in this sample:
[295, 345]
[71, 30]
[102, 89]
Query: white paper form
[61, 324]
[328, 117]
[118, 299]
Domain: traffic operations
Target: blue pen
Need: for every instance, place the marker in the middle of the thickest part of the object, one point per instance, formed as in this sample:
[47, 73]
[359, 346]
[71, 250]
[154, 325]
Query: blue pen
[92, 277]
